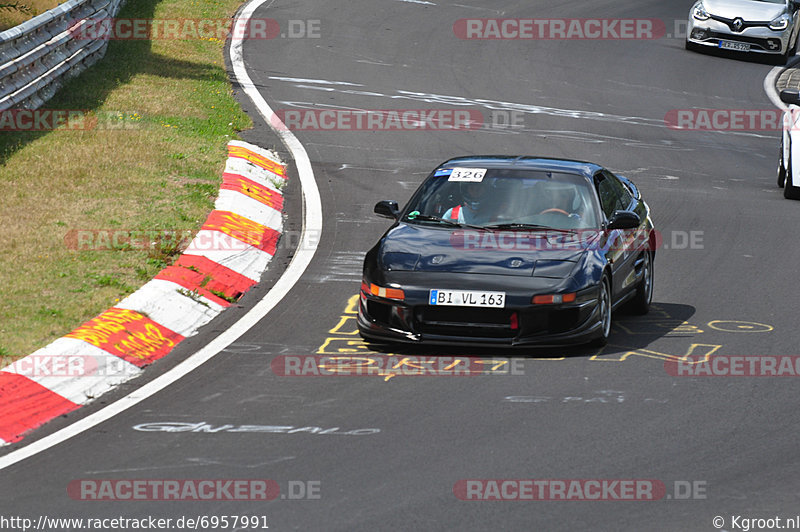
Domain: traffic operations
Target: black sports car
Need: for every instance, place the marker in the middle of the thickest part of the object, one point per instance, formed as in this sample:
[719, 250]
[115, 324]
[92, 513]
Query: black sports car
[509, 251]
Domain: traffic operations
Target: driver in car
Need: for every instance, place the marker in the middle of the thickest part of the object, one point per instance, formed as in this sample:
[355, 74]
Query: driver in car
[562, 199]
[474, 207]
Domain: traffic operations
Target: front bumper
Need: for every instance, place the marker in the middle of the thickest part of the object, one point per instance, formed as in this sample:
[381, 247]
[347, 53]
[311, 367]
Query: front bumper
[761, 39]
[414, 321]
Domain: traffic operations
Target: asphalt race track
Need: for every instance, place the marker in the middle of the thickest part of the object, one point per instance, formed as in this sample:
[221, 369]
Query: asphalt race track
[725, 284]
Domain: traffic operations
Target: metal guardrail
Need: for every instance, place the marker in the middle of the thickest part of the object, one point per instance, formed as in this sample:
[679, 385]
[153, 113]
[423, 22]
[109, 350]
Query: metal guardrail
[39, 54]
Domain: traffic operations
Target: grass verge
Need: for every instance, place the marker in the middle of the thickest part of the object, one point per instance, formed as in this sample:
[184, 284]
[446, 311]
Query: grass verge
[15, 12]
[153, 163]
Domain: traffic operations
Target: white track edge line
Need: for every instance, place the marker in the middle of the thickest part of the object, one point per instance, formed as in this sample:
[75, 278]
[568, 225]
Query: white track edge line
[769, 83]
[769, 88]
[312, 224]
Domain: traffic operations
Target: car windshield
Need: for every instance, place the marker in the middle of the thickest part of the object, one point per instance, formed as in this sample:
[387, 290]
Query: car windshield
[503, 198]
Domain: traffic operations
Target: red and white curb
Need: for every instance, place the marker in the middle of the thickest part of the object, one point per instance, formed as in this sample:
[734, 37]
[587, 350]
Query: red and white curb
[224, 260]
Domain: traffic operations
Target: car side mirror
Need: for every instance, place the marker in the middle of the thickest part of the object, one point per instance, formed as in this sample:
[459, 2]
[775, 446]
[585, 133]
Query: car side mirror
[387, 209]
[624, 220]
[790, 96]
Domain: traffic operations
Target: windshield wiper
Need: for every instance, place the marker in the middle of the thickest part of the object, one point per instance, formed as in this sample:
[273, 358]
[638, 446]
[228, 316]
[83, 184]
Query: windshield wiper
[517, 225]
[429, 218]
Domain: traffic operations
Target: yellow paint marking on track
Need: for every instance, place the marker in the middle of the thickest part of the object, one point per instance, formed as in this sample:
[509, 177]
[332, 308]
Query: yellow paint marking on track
[497, 363]
[739, 326]
[352, 305]
[673, 327]
[347, 325]
[704, 350]
[342, 346]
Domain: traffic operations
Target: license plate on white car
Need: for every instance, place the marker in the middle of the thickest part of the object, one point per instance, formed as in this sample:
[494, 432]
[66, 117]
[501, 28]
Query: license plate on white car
[467, 298]
[738, 46]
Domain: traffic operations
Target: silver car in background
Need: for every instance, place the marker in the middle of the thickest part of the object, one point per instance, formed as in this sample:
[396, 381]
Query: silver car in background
[761, 26]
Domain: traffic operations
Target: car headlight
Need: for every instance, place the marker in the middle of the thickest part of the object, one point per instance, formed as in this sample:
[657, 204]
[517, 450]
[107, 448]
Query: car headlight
[780, 23]
[699, 12]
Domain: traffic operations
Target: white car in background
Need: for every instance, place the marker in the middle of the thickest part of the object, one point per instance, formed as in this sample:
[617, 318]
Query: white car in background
[789, 158]
[759, 26]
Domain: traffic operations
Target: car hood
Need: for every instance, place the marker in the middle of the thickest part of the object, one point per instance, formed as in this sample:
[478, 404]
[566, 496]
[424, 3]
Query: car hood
[749, 10]
[521, 253]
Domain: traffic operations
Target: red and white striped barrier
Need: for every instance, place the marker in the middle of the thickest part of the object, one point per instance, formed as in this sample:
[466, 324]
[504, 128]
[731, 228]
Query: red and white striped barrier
[224, 260]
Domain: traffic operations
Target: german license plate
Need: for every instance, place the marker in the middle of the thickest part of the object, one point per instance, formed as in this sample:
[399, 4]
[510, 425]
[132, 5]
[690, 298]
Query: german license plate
[467, 298]
[738, 46]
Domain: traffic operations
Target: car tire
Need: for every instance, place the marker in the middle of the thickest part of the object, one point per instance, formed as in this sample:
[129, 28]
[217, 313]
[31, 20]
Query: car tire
[781, 168]
[789, 191]
[604, 308]
[690, 46]
[640, 304]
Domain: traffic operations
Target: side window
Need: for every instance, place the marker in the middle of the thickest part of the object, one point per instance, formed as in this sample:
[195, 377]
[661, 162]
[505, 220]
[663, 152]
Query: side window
[624, 195]
[613, 194]
[609, 198]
